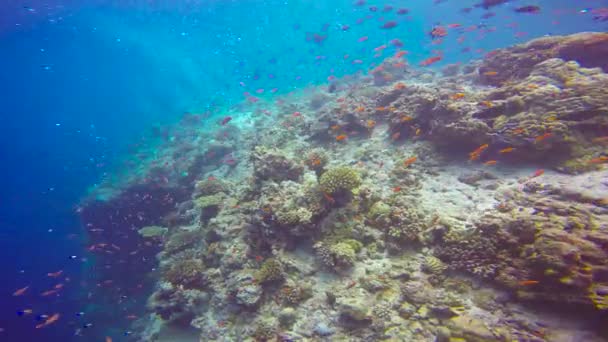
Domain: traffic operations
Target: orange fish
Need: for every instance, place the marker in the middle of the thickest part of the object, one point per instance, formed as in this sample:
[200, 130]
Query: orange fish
[538, 173]
[518, 131]
[400, 54]
[58, 273]
[490, 162]
[599, 160]
[601, 140]
[360, 109]
[475, 154]
[397, 189]
[341, 137]
[542, 137]
[48, 293]
[409, 161]
[400, 86]
[506, 150]
[329, 198]
[395, 136]
[380, 109]
[49, 321]
[335, 127]
[108, 339]
[488, 104]
[20, 291]
[457, 96]
[528, 282]
[371, 123]
[25, 312]
[430, 60]
[490, 73]
[406, 118]
[59, 286]
[418, 131]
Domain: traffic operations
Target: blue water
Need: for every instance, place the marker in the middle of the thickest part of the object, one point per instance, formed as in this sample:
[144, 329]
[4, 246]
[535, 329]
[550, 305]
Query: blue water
[82, 81]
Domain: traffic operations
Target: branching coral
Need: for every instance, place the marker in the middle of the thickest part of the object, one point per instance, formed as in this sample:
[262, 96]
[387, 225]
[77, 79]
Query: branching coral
[339, 179]
[339, 255]
[472, 252]
[271, 270]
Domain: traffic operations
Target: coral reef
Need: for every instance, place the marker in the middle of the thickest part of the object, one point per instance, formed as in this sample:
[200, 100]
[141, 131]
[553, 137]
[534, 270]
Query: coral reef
[363, 215]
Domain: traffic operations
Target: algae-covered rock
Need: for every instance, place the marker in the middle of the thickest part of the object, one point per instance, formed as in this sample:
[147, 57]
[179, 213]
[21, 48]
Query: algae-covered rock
[273, 164]
[152, 231]
[339, 179]
[357, 308]
[379, 213]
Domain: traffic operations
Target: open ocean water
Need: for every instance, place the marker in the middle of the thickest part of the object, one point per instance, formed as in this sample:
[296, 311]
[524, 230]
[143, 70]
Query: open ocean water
[86, 85]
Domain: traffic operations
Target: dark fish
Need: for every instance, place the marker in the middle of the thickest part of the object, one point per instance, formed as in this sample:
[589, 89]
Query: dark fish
[488, 15]
[403, 11]
[528, 9]
[487, 4]
[225, 120]
[315, 37]
[389, 25]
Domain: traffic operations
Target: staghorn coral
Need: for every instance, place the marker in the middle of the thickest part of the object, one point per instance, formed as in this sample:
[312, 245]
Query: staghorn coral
[339, 179]
[187, 273]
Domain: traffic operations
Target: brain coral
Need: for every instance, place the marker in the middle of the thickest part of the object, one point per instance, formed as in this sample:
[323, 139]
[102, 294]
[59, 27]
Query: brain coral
[340, 179]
